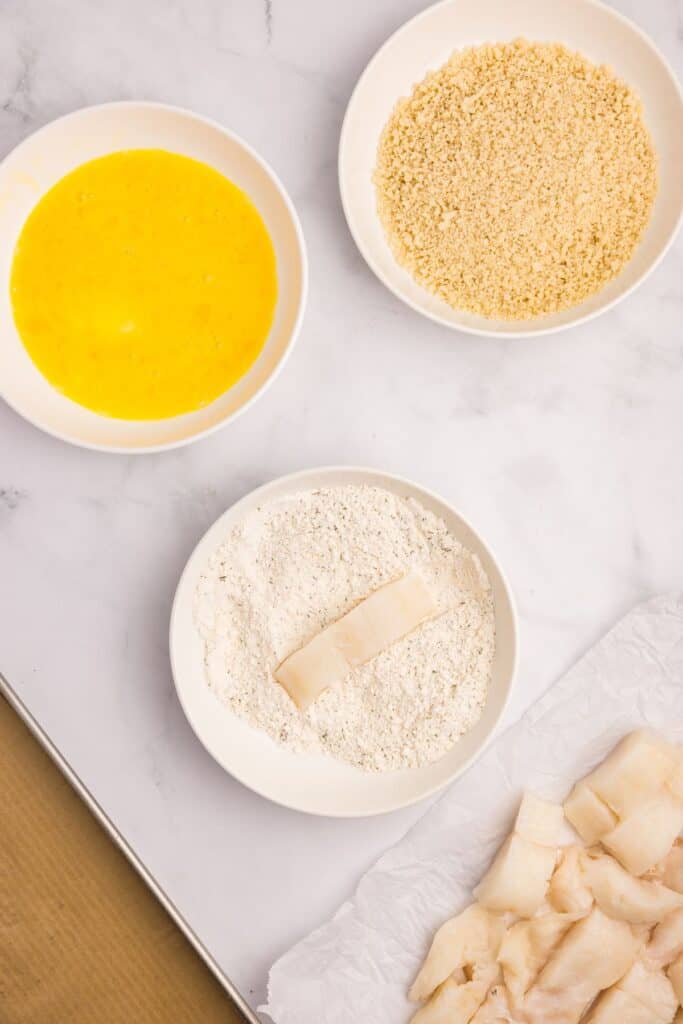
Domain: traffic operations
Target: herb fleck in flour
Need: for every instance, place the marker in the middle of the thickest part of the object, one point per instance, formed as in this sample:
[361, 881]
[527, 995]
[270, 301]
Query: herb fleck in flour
[297, 564]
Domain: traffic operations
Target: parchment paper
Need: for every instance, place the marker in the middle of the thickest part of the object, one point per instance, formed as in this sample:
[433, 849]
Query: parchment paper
[356, 968]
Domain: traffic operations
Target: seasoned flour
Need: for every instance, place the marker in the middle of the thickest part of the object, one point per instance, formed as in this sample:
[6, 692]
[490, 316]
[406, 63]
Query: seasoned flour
[295, 565]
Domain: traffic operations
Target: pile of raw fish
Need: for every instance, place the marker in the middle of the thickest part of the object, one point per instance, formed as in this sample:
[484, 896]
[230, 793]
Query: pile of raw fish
[589, 932]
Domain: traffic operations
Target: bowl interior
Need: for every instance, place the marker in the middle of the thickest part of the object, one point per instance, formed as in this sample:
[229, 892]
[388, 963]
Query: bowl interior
[45, 157]
[318, 784]
[424, 44]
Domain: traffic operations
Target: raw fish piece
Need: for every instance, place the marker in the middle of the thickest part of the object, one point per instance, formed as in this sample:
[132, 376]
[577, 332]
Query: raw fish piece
[593, 955]
[452, 1003]
[626, 898]
[568, 890]
[634, 772]
[526, 948]
[670, 870]
[495, 1008]
[539, 821]
[518, 878]
[588, 814]
[379, 621]
[653, 990]
[675, 973]
[472, 938]
[675, 782]
[646, 837]
[666, 943]
[617, 1007]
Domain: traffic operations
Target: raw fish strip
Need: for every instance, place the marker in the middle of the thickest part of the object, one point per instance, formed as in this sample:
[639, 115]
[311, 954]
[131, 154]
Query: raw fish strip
[621, 896]
[379, 621]
[594, 954]
[646, 837]
[469, 940]
[518, 878]
[539, 821]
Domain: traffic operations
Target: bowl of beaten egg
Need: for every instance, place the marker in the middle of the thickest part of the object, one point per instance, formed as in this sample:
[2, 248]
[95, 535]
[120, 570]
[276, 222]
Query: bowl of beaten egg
[154, 277]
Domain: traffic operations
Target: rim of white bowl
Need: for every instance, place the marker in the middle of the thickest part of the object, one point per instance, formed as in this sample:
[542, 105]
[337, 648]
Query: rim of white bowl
[294, 334]
[483, 332]
[301, 476]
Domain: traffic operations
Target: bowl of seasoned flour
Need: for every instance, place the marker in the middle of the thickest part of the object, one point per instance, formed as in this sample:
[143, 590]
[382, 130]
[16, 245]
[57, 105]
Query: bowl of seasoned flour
[343, 642]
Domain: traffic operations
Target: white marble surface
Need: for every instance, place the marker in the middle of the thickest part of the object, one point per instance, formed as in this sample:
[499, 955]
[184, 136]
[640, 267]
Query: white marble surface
[565, 451]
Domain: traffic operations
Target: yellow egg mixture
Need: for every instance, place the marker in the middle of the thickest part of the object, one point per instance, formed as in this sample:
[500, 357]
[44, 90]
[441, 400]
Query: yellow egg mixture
[144, 284]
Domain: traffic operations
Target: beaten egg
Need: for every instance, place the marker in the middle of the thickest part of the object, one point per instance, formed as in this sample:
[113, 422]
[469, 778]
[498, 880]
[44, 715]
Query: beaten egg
[144, 284]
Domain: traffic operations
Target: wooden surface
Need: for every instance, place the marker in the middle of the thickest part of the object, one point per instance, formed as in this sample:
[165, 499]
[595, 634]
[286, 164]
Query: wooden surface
[82, 939]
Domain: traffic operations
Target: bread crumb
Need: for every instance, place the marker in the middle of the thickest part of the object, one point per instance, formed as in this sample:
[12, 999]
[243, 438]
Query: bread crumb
[516, 180]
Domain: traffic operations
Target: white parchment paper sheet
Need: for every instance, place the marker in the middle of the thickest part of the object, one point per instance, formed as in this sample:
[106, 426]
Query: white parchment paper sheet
[356, 968]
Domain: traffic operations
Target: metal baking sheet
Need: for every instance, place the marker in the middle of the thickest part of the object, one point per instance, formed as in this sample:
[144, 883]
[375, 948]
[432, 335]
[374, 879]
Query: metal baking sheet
[85, 795]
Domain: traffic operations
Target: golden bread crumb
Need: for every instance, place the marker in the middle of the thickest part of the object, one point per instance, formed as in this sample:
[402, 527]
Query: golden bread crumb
[516, 180]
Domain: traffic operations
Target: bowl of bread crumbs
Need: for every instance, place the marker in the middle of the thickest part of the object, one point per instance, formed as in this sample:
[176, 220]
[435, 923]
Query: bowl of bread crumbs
[343, 642]
[519, 185]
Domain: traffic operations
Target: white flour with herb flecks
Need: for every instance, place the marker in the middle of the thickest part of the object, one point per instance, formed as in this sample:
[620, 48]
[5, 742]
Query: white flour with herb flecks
[295, 565]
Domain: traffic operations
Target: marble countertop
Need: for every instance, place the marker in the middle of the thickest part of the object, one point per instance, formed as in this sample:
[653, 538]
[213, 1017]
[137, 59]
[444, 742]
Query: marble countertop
[565, 451]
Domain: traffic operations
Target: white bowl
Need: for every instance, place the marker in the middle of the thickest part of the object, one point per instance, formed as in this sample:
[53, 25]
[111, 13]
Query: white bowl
[424, 44]
[45, 157]
[318, 784]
